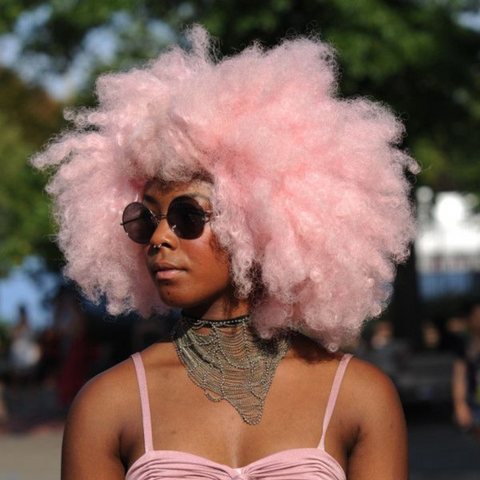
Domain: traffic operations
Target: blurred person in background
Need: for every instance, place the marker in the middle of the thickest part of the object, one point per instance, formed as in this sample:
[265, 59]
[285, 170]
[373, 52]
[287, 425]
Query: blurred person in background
[381, 348]
[457, 326]
[432, 339]
[466, 375]
[50, 356]
[24, 349]
[78, 348]
[455, 333]
[272, 212]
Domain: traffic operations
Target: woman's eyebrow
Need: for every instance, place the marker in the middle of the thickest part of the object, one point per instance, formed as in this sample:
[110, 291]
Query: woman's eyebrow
[149, 199]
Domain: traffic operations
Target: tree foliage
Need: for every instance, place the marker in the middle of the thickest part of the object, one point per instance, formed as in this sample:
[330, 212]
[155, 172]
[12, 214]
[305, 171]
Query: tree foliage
[27, 118]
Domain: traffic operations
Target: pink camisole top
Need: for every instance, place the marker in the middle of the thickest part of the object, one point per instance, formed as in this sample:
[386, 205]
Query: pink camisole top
[293, 464]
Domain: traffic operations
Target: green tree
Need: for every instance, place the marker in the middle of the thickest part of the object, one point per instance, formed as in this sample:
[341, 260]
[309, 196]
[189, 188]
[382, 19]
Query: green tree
[27, 118]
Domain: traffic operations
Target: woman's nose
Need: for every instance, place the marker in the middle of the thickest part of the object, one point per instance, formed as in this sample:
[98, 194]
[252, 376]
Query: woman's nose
[163, 235]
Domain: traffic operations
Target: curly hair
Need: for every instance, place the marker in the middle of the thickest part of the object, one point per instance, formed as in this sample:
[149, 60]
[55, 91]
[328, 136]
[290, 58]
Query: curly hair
[309, 187]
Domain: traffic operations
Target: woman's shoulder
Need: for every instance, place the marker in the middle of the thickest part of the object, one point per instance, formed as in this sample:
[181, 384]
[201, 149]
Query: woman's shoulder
[361, 380]
[117, 388]
[103, 420]
[369, 399]
[365, 380]
[370, 393]
[106, 396]
[97, 418]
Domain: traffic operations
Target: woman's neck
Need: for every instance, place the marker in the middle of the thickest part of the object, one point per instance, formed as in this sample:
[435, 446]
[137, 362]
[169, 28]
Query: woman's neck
[219, 310]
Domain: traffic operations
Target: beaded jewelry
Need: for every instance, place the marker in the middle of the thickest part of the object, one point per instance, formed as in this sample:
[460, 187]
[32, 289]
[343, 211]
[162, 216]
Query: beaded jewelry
[230, 362]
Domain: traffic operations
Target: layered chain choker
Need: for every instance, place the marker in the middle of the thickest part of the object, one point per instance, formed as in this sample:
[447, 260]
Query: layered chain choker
[229, 361]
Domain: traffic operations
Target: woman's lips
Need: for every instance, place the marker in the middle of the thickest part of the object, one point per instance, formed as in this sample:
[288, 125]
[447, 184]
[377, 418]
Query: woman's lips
[167, 274]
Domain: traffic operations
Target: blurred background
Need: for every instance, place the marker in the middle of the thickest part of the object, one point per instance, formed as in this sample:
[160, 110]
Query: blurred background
[422, 57]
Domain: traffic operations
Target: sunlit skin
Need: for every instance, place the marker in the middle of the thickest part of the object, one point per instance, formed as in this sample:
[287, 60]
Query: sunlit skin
[199, 281]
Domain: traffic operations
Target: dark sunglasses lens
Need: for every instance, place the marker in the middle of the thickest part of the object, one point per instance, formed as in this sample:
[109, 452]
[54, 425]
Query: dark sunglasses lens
[186, 218]
[138, 223]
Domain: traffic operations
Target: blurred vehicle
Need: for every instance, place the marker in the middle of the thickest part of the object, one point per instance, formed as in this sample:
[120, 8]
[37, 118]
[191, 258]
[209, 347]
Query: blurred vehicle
[426, 377]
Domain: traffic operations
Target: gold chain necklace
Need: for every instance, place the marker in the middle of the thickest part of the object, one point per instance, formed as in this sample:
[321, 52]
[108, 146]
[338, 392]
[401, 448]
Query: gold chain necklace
[229, 362]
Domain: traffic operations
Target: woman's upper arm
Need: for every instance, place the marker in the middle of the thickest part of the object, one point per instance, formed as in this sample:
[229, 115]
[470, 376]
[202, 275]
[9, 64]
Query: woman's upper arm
[90, 448]
[381, 448]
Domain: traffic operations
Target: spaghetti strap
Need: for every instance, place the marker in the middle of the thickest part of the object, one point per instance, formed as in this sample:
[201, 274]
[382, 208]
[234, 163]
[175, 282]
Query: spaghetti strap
[142, 387]
[332, 399]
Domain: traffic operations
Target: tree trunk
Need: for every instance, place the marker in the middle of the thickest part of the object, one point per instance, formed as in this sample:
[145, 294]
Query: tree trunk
[406, 307]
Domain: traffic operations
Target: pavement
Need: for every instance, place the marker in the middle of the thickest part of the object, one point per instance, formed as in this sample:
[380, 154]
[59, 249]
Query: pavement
[31, 455]
[441, 452]
[30, 450]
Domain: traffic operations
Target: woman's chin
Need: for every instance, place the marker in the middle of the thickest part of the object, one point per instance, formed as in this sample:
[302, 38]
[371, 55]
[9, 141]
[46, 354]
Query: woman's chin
[194, 307]
[174, 299]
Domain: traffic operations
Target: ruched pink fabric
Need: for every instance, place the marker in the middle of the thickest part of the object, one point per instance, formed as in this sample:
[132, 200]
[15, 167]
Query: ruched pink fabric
[293, 464]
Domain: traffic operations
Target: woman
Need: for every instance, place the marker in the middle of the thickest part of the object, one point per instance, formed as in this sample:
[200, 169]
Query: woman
[272, 213]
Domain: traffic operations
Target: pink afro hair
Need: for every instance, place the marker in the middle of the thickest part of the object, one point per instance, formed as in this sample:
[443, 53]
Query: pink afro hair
[310, 187]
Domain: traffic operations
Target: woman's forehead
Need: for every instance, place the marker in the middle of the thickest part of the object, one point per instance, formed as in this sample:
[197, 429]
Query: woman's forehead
[162, 188]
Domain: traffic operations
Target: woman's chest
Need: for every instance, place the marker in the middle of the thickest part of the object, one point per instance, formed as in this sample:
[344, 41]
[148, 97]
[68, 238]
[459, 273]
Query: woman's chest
[183, 420]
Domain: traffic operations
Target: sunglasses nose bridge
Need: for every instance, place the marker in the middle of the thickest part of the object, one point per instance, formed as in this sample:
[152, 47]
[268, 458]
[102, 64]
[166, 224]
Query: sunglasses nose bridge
[163, 233]
[157, 218]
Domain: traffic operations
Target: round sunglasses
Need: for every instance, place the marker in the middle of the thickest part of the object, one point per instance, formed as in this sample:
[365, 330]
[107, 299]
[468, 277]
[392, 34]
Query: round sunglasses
[185, 217]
